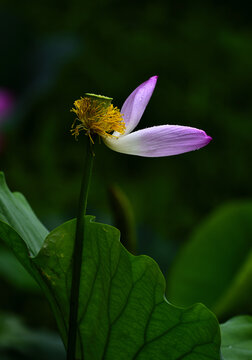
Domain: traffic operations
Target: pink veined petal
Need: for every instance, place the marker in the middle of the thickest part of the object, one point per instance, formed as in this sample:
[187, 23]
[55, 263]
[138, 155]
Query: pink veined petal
[134, 106]
[164, 140]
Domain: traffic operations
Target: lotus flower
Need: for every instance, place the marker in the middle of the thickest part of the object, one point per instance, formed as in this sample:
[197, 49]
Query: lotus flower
[116, 128]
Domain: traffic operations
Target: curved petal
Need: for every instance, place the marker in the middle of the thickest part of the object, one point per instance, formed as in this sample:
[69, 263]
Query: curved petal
[164, 140]
[134, 106]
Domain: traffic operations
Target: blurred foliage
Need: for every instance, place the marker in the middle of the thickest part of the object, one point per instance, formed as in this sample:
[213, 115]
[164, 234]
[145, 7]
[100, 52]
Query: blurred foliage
[124, 219]
[19, 342]
[54, 52]
[215, 266]
[236, 336]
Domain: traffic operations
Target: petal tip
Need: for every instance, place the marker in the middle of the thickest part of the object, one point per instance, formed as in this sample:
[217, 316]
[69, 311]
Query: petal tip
[154, 78]
[208, 139]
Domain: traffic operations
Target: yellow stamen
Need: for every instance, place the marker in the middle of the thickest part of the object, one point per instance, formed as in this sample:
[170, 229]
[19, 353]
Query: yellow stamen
[96, 115]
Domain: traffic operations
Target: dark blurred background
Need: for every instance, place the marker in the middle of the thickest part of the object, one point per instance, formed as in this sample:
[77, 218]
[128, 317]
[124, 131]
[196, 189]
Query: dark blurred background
[54, 52]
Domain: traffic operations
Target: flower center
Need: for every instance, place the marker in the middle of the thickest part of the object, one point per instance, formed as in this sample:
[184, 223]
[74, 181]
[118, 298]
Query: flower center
[96, 115]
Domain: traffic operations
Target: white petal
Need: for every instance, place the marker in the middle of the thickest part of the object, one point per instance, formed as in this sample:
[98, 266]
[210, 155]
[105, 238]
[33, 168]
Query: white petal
[164, 140]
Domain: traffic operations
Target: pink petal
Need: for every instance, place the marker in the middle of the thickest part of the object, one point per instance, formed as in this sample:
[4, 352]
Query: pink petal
[134, 106]
[164, 140]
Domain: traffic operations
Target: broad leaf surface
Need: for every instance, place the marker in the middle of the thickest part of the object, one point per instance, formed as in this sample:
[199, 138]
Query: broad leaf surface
[24, 234]
[21, 230]
[215, 266]
[16, 212]
[236, 336]
[123, 312]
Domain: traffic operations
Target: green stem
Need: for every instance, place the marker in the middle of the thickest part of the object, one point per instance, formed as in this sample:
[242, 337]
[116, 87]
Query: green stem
[77, 255]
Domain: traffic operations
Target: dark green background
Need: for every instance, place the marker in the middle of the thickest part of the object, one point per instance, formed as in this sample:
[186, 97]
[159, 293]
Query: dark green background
[54, 52]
